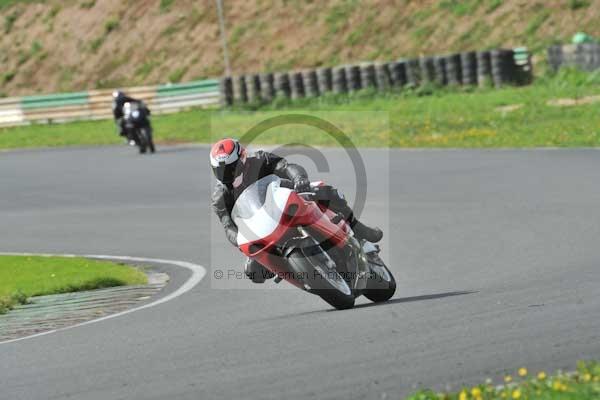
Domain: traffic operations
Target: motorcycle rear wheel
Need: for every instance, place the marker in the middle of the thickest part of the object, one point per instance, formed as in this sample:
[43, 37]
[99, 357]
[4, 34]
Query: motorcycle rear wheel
[329, 288]
[150, 140]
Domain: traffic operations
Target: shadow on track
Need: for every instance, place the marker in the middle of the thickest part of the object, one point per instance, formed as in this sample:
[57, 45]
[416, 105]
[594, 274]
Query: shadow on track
[410, 299]
[416, 298]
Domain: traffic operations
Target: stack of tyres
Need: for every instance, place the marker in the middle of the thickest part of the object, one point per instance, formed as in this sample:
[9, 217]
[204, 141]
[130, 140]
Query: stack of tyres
[311, 84]
[353, 78]
[413, 72]
[383, 76]
[339, 81]
[398, 73]
[267, 87]
[439, 65]
[555, 58]
[240, 90]
[282, 85]
[468, 63]
[297, 85]
[367, 76]
[427, 66]
[226, 91]
[484, 69]
[253, 87]
[503, 67]
[453, 71]
[325, 80]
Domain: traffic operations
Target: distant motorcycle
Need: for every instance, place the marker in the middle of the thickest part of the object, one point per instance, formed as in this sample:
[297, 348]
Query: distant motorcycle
[296, 237]
[136, 121]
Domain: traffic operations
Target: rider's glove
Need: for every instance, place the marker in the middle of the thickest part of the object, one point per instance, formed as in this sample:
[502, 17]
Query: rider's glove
[302, 185]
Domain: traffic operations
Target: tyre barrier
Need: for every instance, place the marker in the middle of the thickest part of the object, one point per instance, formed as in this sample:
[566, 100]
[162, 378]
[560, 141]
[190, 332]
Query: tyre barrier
[339, 81]
[484, 68]
[240, 91]
[427, 68]
[497, 67]
[253, 88]
[555, 56]
[503, 70]
[580, 56]
[282, 85]
[297, 85]
[267, 87]
[383, 76]
[324, 79]
[311, 83]
[468, 64]
[367, 76]
[453, 72]
[398, 73]
[439, 66]
[226, 91]
[588, 56]
[413, 72]
[353, 81]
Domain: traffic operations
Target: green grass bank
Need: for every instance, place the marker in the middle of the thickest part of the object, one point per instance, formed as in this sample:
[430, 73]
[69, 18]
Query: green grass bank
[583, 384]
[22, 277]
[561, 110]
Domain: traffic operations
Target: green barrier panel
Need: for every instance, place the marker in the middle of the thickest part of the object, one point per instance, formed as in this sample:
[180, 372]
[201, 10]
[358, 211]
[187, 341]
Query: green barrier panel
[178, 89]
[54, 100]
[521, 53]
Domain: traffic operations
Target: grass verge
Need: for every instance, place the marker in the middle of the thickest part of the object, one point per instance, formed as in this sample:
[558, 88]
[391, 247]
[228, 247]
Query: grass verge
[584, 384]
[23, 276]
[426, 117]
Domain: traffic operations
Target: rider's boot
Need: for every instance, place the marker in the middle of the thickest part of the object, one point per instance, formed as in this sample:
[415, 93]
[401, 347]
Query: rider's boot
[362, 231]
[338, 204]
[256, 272]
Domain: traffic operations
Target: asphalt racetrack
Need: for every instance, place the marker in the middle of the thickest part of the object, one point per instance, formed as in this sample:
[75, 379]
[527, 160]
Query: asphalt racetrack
[496, 254]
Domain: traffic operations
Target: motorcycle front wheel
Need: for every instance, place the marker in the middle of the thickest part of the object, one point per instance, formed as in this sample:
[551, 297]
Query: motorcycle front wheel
[330, 286]
[142, 140]
[381, 285]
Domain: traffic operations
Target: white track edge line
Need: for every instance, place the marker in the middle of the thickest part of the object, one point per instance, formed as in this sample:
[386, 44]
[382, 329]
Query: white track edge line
[198, 272]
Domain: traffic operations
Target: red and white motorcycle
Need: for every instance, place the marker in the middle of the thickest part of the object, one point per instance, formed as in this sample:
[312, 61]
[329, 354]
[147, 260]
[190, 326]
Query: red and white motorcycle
[295, 236]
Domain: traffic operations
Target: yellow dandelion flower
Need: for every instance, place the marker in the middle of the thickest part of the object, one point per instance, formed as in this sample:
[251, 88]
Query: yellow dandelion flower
[516, 394]
[556, 385]
[587, 377]
[475, 392]
[522, 371]
[541, 375]
[478, 398]
[508, 378]
[462, 395]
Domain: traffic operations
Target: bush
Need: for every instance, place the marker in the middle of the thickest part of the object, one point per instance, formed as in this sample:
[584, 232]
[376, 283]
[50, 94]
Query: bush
[111, 25]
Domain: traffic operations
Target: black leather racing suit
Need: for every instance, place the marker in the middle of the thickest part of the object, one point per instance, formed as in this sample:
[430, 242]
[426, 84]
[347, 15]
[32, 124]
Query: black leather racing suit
[255, 167]
[117, 109]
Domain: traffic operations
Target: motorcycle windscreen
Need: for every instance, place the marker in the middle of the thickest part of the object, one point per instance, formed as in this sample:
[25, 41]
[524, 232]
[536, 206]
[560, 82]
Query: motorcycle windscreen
[257, 212]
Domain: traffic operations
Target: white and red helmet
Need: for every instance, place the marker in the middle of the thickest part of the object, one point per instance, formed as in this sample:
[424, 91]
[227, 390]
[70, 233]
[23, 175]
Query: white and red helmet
[224, 158]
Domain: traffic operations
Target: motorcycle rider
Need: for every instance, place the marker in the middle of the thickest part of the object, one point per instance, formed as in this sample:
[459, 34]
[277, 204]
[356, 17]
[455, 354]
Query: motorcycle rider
[235, 170]
[119, 100]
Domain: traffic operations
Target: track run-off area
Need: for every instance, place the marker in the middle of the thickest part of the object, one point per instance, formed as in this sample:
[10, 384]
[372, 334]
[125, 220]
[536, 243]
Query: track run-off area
[495, 252]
